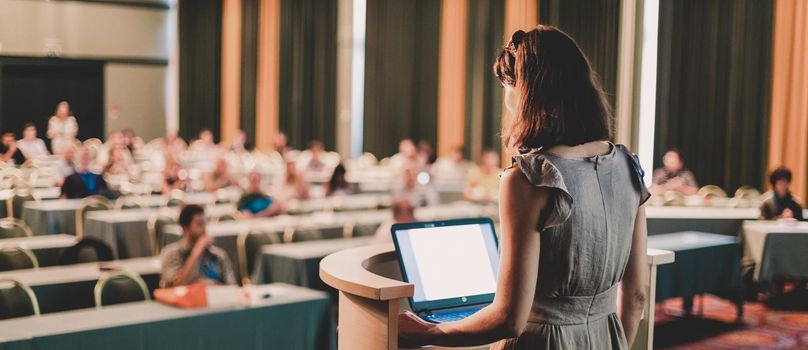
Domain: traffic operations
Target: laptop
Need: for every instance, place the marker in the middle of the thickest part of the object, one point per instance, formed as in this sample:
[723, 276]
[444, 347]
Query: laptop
[453, 265]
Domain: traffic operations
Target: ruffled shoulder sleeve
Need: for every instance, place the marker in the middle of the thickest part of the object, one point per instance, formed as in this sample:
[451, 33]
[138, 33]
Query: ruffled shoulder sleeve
[637, 173]
[541, 172]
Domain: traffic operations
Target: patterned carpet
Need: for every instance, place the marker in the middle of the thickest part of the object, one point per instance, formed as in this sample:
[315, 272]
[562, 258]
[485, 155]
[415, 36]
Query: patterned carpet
[780, 323]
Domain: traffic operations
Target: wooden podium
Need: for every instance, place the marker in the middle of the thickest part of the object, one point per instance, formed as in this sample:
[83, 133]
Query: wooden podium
[371, 294]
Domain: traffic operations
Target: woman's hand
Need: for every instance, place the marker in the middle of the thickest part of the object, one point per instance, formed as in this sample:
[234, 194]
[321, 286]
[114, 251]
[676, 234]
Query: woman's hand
[413, 332]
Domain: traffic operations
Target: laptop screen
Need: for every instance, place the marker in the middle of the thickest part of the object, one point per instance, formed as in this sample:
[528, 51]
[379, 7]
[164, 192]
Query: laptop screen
[450, 263]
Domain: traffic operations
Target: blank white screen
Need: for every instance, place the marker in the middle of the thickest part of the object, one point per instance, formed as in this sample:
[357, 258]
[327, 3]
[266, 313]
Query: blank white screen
[450, 267]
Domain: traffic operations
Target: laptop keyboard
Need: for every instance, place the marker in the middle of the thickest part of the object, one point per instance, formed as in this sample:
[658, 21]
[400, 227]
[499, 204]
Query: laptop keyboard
[449, 316]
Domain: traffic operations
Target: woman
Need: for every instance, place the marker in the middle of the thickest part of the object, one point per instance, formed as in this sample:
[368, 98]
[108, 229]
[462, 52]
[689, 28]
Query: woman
[173, 178]
[338, 185]
[220, 177]
[62, 128]
[31, 146]
[570, 206]
[291, 185]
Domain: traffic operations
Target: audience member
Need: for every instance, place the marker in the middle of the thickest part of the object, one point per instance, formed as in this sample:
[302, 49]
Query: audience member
[83, 183]
[282, 144]
[780, 203]
[31, 146]
[9, 151]
[419, 194]
[118, 161]
[451, 167]
[403, 212]
[312, 161]
[426, 154]
[406, 158]
[291, 185]
[482, 182]
[194, 258]
[338, 185]
[172, 145]
[131, 140]
[173, 178]
[673, 176]
[239, 143]
[205, 146]
[255, 202]
[220, 177]
[62, 128]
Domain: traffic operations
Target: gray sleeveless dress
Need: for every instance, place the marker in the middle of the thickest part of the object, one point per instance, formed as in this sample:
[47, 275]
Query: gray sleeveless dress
[585, 242]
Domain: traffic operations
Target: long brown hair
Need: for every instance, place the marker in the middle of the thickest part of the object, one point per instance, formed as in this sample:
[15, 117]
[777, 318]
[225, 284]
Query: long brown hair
[561, 98]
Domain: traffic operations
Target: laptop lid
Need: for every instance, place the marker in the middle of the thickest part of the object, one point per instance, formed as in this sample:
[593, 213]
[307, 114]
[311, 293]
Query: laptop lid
[452, 263]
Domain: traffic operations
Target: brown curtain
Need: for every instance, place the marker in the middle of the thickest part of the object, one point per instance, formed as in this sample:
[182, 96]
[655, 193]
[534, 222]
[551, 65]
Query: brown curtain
[788, 142]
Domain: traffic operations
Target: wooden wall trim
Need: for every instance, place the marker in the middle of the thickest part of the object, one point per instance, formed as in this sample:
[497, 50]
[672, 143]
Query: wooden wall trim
[452, 75]
[267, 90]
[231, 68]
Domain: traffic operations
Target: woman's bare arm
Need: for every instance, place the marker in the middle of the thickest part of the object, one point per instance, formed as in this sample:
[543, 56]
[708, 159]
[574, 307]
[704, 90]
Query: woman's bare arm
[635, 280]
[506, 317]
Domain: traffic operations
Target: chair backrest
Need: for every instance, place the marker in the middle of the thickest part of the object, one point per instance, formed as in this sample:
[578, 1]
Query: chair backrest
[15, 204]
[88, 249]
[128, 202]
[14, 257]
[13, 228]
[711, 191]
[224, 217]
[364, 229]
[17, 300]
[175, 199]
[120, 287]
[156, 225]
[88, 204]
[249, 243]
[301, 234]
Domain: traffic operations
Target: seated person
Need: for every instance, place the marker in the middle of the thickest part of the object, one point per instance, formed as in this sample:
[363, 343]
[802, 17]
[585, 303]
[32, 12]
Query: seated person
[172, 176]
[780, 204]
[451, 167]
[407, 157]
[482, 183]
[673, 176]
[281, 144]
[194, 259]
[419, 195]
[118, 161]
[83, 183]
[403, 212]
[131, 141]
[239, 144]
[9, 151]
[30, 145]
[291, 185]
[254, 202]
[338, 185]
[311, 160]
[220, 177]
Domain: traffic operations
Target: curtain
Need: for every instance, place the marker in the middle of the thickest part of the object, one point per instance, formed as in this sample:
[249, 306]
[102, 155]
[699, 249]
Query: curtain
[308, 71]
[200, 43]
[249, 66]
[401, 73]
[483, 90]
[788, 143]
[595, 25]
[713, 88]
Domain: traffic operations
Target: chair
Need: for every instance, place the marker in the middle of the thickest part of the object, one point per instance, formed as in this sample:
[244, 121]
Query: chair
[222, 196]
[14, 204]
[128, 202]
[88, 204]
[93, 142]
[155, 226]
[745, 197]
[364, 229]
[88, 249]
[120, 287]
[176, 198]
[301, 234]
[17, 300]
[13, 257]
[249, 243]
[711, 191]
[224, 217]
[13, 228]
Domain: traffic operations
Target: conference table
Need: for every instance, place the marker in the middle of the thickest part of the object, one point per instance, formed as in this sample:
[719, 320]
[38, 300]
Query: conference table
[721, 220]
[41, 193]
[299, 263]
[70, 287]
[126, 231]
[705, 263]
[291, 318]
[777, 248]
[59, 216]
[47, 249]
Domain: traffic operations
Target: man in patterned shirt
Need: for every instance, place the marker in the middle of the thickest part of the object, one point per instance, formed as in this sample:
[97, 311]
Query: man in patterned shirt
[194, 258]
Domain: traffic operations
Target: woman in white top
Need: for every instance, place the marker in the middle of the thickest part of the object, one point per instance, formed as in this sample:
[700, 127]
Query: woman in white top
[31, 146]
[62, 128]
